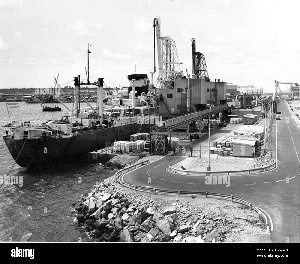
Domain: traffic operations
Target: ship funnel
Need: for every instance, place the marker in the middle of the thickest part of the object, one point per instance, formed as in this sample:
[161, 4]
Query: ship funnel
[76, 95]
[100, 98]
[133, 94]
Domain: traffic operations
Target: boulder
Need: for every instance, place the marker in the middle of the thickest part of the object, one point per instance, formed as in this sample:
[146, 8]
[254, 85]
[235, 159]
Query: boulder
[151, 210]
[114, 210]
[92, 205]
[114, 202]
[99, 224]
[131, 209]
[105, 237]
[169, 210]
[147, 238]
[96, 214]
[110, 215]
[173, 234]
[189, 239]
[164, 226]
[125, 235]
[125, 217]
[164, 238]
[131, 221]
[157, 216]
[177, 238]
[147, 224]
[154, 231]
[103, 214]
[107, 206]
[198, 239]
[196, 226]
[105, 196]
[80, 218]
[183, 228]
[118, 223]
[98, 203]
[140, 217]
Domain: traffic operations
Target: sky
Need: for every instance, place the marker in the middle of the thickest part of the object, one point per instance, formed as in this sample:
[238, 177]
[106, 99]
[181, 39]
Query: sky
[245, 42]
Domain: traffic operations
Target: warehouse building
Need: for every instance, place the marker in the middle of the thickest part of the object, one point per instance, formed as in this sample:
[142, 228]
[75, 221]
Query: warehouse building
[189, 93]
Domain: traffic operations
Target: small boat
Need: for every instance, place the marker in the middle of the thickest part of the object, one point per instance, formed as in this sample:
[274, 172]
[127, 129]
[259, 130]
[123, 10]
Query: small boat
[51, 108]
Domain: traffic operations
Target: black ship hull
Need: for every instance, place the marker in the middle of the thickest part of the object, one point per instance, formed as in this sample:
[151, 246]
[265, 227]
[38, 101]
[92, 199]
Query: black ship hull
[49, 150]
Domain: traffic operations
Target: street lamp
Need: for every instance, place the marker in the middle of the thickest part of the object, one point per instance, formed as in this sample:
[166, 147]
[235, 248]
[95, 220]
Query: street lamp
[208, 167]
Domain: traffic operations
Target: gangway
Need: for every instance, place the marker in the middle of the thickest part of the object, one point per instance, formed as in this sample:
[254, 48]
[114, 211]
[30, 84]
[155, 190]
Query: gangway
[189, 118]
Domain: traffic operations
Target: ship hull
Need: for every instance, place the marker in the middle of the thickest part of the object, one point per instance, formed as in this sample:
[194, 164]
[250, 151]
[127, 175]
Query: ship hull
[30, 152]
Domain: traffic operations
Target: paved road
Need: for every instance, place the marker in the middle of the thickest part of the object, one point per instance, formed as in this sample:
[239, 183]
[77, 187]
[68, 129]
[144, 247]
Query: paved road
[277, 192]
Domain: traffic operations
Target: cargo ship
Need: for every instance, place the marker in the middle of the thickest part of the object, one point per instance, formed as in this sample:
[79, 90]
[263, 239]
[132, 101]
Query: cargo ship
[93, 128]
[74, 136]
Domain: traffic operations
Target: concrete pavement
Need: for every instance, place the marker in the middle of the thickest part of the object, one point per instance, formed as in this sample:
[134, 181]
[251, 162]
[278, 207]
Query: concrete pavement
[277, 191]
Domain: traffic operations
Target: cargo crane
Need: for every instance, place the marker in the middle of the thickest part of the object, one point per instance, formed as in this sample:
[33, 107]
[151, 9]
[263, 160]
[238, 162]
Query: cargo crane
[199, 69]
[168, 63]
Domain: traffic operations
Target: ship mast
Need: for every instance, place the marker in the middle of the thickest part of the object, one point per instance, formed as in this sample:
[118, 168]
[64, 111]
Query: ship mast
[88, 64]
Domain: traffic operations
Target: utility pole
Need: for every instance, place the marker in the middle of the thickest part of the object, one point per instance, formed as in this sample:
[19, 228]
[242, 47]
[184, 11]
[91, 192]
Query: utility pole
[276, 149]
[208, 167]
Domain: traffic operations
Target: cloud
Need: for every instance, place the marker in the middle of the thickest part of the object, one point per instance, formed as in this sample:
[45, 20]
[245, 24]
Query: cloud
[18, 34]
[115, 55]
[143, 49]
[29, 61]
[82, 29]
[142, 26]
[3, 44]
[98, 27]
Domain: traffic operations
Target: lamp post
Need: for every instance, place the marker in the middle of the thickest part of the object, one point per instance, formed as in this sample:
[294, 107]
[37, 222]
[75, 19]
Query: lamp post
[208, 167]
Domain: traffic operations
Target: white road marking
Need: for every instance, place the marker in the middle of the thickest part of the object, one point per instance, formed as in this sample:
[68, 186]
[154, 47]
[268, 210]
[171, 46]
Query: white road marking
[250, 183]
[280, 180]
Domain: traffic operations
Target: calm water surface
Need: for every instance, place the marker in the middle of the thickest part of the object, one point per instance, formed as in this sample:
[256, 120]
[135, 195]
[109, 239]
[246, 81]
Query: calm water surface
[40, 209]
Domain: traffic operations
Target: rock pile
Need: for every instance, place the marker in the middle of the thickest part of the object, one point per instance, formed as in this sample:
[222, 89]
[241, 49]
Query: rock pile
[112, 215]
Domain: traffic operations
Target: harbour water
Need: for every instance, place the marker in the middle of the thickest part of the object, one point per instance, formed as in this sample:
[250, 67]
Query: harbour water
[38, 207]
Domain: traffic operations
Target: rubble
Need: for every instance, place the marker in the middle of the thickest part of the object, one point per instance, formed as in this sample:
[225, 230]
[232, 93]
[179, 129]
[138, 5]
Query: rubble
[111, 214]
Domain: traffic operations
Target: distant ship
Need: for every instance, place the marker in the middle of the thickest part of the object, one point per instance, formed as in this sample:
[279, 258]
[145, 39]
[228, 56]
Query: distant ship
[51, 108]
[47, 98]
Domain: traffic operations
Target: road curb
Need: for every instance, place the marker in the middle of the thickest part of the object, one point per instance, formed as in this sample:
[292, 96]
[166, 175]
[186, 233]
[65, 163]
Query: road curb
[269, 167]
[120, 180]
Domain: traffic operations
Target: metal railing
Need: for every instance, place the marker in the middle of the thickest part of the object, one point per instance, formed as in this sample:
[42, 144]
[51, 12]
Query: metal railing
[120, 179]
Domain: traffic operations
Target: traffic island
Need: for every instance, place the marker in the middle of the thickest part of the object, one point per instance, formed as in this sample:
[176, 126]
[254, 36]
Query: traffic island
[113, 213]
